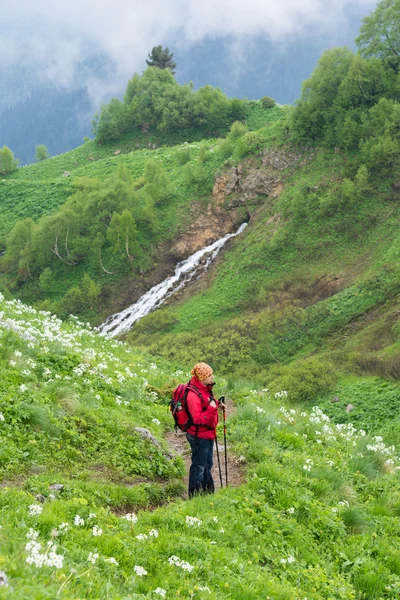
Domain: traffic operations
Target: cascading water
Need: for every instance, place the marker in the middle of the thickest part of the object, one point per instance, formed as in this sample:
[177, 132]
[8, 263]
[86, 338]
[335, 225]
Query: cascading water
[185, 271]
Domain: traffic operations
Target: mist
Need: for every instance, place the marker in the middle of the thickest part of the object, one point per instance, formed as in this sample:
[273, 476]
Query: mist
[52, 39]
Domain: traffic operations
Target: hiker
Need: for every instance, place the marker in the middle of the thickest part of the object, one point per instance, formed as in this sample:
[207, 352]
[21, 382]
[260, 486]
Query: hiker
[203, 408]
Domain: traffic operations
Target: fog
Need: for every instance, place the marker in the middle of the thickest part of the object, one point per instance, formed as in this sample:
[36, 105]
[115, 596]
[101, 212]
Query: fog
[52, 38]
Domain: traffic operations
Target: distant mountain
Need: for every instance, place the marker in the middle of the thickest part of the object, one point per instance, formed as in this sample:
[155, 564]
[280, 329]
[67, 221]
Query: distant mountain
[33, 110]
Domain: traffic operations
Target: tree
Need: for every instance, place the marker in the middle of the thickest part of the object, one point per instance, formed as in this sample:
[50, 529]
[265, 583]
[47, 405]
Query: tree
[267, 102]
[46, 280]
[380, 33]
[18, 256]
[121, 232]
[110, 124]
[41, 152]
[7, 162]
[315, 115]
[161, 58]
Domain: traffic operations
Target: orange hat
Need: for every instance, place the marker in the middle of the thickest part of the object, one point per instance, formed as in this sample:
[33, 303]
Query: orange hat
[201, 371]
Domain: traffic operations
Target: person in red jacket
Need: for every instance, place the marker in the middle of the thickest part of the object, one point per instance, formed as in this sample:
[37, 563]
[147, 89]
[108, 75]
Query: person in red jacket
[203, 409]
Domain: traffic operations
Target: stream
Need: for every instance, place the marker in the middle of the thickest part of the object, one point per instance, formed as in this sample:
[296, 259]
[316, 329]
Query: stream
[185, 271]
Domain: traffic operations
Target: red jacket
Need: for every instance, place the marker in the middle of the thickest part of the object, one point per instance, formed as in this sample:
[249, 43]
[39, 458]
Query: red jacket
[203, 415]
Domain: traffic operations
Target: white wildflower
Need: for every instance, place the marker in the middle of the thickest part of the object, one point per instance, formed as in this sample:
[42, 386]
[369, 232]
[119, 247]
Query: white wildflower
[93, 557]
[153, 533]
[131, 517]
[35, 509]
[192, 521]
[97, 531]
[291, 559]
[183, 564]
[140, 571]
[78, 521]
[160, 592]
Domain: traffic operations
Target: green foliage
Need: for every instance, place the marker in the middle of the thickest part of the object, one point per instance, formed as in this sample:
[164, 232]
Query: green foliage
[379, 36]
[267, 102]
[184, 156]
[161, 58]
[46, 280]
[304, 380]
[339, 101]
[111, 123]
[79, 299]
[70, 403]
[155, 99]
[41, 152]
[7, 162]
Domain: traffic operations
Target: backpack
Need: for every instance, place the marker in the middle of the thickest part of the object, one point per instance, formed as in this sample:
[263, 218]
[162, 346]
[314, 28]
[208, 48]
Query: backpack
[179, 408]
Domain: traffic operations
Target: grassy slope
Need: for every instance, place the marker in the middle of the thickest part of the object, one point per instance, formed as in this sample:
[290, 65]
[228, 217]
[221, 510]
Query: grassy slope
[270, 284]
[329, 530]
[38, 189]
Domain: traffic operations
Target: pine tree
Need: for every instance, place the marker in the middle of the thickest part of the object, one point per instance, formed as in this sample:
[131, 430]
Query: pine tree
[161, 58]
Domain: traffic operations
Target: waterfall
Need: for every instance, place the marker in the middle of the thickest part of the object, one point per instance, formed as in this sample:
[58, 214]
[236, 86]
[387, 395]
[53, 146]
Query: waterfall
[185, 271]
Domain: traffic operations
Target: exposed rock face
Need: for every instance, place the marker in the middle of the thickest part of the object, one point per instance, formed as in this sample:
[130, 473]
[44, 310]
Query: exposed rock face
[280, 159]
[233, 190]
[233, 180]
[259, 182]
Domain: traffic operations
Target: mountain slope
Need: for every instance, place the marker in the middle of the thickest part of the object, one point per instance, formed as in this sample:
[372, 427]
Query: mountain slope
[319, 511]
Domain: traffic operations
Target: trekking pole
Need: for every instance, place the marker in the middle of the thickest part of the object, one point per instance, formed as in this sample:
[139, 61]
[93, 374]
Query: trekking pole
[226, 454]
[219, 463]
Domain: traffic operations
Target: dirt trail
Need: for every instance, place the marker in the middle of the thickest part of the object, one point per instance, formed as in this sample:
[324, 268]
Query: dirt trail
[236, 474]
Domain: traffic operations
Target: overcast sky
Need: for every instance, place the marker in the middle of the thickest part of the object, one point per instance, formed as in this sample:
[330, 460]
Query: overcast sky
[56, 33]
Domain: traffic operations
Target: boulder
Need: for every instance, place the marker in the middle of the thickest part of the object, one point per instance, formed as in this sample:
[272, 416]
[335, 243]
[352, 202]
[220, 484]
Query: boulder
[147, 435]
[56, 487]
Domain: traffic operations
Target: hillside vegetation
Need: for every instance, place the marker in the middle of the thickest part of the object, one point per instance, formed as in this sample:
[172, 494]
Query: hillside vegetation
[105, 212]
[319, 513]
[299, 317]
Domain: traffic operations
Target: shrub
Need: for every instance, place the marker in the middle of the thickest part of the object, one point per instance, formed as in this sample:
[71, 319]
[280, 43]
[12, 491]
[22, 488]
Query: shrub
[184, 156]
[304, 380]
[7, 162]
[155, 322]
[41, 152]
[267, 102]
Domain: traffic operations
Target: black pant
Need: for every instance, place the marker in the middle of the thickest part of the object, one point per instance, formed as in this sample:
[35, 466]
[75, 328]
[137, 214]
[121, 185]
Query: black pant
[200, 478]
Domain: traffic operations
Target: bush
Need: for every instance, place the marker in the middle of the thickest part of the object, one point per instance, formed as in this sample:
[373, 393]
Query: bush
[78, 299]
[41, 152]
[155, 322]
[7, 162]
[184, 156]
[267, 102]
[304, 380]
[46, 280]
